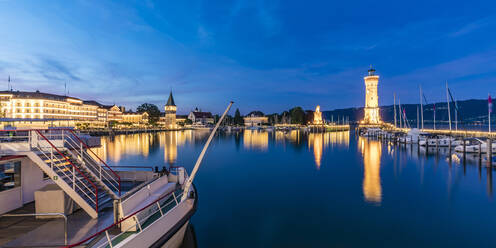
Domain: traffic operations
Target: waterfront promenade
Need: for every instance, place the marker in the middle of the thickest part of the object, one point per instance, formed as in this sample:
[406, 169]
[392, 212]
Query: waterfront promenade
[454, 133]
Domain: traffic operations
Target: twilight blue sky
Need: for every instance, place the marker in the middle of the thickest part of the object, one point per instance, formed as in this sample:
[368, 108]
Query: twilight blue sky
[265, 55]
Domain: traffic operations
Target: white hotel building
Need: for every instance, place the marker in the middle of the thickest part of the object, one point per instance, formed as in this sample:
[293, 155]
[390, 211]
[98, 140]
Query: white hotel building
[22, 106]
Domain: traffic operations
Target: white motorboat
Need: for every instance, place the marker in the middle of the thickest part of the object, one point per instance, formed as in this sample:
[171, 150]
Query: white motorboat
[413, 136]
[371, 132]
[440, 141]
[474, 146]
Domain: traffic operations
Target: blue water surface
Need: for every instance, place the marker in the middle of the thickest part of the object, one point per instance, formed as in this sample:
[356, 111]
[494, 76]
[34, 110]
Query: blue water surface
[292, 189]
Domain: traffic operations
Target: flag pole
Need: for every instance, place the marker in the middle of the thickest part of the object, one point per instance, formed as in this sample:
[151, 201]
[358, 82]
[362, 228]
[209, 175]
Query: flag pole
[489, 109]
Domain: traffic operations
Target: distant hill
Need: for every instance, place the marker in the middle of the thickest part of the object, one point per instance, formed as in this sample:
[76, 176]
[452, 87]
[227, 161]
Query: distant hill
[469, 111]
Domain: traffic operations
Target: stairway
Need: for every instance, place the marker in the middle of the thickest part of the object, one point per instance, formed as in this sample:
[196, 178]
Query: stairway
[65, 158]
[104, 193]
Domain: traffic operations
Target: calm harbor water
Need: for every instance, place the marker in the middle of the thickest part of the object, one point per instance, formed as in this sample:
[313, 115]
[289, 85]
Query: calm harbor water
[276, 189]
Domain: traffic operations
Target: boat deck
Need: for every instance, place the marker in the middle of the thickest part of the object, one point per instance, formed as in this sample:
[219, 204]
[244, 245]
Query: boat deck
[32, 232]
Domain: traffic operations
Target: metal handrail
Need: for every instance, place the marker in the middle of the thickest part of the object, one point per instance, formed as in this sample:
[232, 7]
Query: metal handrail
[145, 218]
[69, 175]
[106, 165]
[75, 167]
[120, 221]
[93, 164]
[43, 214]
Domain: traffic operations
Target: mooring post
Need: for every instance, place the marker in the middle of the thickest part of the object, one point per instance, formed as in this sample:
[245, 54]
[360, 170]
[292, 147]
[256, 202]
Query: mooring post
[480, 151]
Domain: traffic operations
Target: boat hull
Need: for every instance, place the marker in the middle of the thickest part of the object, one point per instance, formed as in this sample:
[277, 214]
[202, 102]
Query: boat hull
[175, 222]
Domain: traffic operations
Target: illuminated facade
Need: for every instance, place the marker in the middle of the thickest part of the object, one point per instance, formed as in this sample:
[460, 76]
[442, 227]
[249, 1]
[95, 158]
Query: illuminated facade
[23, 106]
[317, 116]
[135, 118]
[371, 110]
[170, 112]
[202, 118]
[253, 120]
[114, 113]
[37, 105]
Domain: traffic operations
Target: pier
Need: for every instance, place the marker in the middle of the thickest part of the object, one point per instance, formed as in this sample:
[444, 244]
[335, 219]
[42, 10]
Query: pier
[450, 142]
[105, 132]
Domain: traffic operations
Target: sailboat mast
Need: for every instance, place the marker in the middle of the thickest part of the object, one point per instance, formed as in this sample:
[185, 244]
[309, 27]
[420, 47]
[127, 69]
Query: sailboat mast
[394, 108]
[417, 117]
[421, 108]
[434, 116]
[447, 101]
[401, 113]
[456, 118]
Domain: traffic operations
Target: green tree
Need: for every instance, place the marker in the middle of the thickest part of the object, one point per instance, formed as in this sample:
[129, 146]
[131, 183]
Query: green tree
[112, 124]
[228, 120]
[188, 122]
[297, 115]
[238, 119]
[152, 110]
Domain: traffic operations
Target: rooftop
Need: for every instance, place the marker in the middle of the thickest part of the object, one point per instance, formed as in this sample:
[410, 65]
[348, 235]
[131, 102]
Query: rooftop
[37, 95]
[170, 102]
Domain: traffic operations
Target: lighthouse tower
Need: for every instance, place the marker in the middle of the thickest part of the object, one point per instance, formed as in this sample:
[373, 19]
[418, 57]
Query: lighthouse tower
[371, 110]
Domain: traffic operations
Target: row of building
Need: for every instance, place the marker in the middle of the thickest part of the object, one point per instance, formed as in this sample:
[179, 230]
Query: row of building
[23, 109]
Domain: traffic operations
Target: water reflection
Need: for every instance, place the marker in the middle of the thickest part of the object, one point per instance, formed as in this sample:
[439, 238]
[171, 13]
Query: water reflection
[320, 141]
[339, 156]
[371, 153]
[114, 148]
[256, 139]
[292, 136]
[169, 142]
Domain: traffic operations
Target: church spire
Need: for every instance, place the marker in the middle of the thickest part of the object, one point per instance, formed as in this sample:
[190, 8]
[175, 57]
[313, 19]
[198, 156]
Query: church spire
[170, 102]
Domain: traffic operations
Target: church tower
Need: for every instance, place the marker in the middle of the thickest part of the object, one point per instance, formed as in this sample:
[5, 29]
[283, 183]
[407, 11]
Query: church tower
[371, 110]
[170, 112]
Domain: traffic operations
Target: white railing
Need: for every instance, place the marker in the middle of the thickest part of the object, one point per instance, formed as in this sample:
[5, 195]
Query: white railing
[155, 208]
[74, 144]
[62, 166]
[159, 207]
